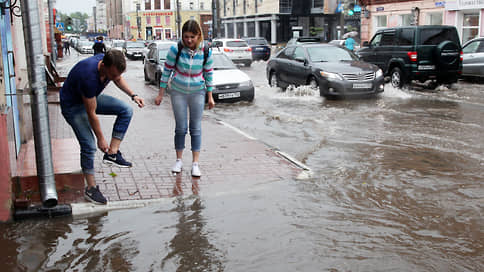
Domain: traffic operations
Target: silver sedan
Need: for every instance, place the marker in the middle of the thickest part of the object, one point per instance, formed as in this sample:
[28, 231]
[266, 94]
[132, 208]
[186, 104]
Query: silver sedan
[473, 63]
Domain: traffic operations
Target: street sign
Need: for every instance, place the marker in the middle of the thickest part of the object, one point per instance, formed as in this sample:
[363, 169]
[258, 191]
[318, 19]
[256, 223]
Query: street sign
[60, 26]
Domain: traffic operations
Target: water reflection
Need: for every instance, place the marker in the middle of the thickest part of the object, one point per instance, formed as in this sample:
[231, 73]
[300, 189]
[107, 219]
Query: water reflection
[190, 248]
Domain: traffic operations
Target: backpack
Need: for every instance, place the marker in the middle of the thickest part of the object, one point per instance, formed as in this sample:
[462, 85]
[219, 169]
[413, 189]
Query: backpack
[205, 52]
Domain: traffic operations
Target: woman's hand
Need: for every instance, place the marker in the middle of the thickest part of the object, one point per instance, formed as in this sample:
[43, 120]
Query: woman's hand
[159, 98]
[211, 102]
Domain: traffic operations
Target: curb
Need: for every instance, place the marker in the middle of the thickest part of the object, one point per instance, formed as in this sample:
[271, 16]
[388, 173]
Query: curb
[80, 209]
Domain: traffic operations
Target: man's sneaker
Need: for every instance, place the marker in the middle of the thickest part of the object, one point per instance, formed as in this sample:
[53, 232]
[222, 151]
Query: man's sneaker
[94, 195]
[196, 170]
[116, 159]
[178, 166]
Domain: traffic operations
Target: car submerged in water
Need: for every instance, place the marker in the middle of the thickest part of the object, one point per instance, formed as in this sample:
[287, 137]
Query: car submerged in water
[335, 71]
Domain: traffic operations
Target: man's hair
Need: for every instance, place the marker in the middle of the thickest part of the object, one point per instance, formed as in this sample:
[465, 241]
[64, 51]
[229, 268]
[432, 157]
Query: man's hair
[193, 27]
[116, 58]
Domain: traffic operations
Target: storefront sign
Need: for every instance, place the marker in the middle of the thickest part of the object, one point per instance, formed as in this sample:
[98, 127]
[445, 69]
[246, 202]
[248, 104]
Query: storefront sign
[157, 13]
[380, 9]
[464, 4]
[440, 4]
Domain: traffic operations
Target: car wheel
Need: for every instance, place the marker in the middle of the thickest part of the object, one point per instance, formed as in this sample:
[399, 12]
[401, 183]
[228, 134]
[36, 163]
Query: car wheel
[396, 78]
[146, 76]
[247, 64]
[313, 83]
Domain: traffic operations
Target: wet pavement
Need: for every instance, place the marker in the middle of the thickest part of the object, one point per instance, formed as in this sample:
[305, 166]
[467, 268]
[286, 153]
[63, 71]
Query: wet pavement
[396, 185]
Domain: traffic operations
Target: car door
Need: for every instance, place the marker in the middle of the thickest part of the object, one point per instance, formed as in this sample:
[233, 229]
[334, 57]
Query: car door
[384, 50]
[298, 70]
[152, 61]
[284, 62]
[473, 63]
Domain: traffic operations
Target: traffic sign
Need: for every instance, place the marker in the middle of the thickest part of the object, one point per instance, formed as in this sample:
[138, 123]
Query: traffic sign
[60, 26]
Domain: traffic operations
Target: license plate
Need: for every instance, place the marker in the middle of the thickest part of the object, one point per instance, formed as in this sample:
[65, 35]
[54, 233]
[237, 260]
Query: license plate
[426, 67]
[228, 95]
[259, 49]
[361, 85]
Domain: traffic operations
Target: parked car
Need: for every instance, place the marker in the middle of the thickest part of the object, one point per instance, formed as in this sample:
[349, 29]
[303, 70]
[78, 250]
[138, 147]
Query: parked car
[473, 62]
[304, 39]
[416, 53]
[231, 84]
[260, 48]
[335, 71]
[155, 60]
[118, 45]
[85, 47]
[237, 50]
[134, 49]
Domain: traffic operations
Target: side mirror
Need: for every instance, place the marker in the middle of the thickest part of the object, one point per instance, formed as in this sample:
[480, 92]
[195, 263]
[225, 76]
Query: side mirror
[366, 44]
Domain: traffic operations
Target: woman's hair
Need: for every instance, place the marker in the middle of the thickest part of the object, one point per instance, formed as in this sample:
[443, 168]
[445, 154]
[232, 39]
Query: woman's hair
[193, 27]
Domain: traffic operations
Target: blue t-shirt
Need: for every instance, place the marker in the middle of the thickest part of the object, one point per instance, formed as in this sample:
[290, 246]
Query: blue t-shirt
[350, 43]
[83, 80]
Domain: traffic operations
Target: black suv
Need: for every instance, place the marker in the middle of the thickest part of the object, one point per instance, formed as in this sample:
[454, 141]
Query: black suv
[416, 53]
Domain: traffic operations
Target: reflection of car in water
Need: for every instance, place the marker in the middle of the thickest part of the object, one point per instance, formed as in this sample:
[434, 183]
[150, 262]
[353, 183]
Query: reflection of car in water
[155, 60]
[473, 58]
[334, 71]
[134, 49]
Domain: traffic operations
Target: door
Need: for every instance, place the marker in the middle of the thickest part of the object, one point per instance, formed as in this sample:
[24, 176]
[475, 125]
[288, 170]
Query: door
[9, 74]
[473, 64]
[298, 71]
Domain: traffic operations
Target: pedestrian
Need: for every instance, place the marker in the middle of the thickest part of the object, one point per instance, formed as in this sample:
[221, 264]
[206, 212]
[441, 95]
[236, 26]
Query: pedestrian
[66, 47]
[99, 47]
[191, 81]
[350, 43]
[81, 102]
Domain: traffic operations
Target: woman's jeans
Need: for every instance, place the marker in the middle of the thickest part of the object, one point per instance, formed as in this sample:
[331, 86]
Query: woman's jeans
[76, 116]
[194, 102]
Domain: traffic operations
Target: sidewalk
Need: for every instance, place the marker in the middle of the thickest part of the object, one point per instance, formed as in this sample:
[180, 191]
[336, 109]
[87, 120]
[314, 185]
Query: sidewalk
[228, 158]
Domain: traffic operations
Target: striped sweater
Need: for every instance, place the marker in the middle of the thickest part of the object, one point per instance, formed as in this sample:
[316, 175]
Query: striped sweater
[190, 75]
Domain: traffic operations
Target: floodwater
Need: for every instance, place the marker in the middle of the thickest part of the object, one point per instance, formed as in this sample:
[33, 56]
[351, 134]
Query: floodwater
[396, 184]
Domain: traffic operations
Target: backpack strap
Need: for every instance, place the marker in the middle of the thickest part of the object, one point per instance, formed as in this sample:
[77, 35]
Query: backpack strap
[205, 52]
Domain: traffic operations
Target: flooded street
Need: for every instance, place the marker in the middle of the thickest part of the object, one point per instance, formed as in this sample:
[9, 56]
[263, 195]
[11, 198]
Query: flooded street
[395, 185]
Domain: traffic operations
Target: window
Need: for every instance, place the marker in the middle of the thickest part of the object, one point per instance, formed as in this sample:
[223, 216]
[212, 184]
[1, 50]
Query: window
[167, 4]
[438, 35]
[167, 20]
[158, 20]
[299, 53]
[406, 19]
[381, 21]
[470, 26]
[168, 34]
[157, 4]
[388, 38]
[406, 37]
[147, 4]
[473, 47]
[376, 40]
[434, 18]
[148, 20]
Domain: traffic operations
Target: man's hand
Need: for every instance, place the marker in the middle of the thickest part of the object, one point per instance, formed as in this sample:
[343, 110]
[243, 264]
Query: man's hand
[139, 101]
[103, 145]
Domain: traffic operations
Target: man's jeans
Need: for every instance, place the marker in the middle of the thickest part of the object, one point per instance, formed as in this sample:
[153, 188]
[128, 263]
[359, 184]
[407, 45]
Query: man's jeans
[76, 116]
[195, 102]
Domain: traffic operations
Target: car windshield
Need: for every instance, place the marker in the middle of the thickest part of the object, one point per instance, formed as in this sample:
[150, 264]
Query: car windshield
[135, 45]
[237, 44]
[222, 62]
[329, 54]
[162, 53]
[257, 42]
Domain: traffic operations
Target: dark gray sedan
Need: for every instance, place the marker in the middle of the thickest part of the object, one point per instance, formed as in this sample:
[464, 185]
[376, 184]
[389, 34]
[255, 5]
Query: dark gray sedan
[473, 62]
[155, 60]
[335, 71]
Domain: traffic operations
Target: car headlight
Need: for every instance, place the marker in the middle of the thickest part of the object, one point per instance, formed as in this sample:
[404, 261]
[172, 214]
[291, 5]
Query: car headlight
[379, 73]
[329, 75]
[247, 83]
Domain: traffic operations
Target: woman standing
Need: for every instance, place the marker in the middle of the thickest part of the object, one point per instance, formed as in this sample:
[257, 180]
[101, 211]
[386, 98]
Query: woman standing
[192, 79]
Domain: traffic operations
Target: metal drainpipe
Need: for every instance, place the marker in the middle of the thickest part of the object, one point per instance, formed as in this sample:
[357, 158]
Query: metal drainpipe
[38, 96]
[53, 55]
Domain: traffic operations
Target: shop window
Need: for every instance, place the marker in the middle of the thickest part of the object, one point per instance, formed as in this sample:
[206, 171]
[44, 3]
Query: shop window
[470, 26]
[434, 18]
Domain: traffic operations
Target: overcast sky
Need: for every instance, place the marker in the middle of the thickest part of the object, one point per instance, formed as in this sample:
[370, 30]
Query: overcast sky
[71, 6]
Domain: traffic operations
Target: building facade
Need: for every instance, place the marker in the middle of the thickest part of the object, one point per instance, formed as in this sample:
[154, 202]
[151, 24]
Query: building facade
[466, 15]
